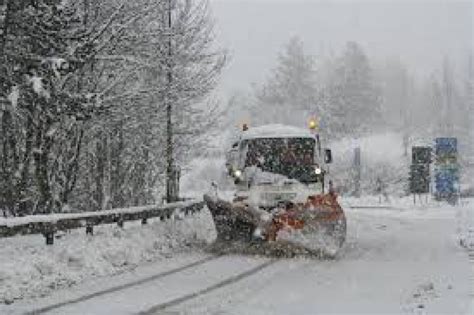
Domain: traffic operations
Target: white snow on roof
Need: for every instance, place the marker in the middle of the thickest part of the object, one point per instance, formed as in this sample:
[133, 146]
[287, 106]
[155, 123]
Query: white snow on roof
[276, 131]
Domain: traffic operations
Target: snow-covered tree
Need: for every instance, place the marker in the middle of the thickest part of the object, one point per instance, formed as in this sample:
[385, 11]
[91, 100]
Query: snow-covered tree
[399, 109]
[36, 77]
[352, 102]
[125, 161]
[83, 94]
[290, 94]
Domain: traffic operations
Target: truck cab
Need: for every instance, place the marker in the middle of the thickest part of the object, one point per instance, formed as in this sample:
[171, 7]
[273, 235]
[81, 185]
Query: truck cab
[276, 163]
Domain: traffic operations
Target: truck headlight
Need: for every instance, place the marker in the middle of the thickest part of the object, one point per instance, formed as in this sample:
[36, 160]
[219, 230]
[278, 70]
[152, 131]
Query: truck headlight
[238, 173]
[318, 171]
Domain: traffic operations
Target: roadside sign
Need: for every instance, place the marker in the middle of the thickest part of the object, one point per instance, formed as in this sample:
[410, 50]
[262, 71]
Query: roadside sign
[446, 168]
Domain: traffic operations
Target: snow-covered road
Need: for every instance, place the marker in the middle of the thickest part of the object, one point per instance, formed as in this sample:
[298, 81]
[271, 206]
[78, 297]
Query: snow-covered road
[395, 261]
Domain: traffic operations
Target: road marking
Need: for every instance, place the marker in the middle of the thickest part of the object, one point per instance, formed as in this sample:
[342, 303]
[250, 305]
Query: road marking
[123, 286]
[211, 288]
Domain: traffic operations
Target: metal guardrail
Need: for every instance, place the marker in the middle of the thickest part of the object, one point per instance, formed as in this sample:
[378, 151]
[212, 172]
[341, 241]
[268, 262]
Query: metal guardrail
[48, 225]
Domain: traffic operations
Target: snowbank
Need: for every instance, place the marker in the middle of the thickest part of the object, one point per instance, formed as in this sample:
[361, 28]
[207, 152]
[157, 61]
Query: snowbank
[425, 207]
[29, 268]
[382, 157]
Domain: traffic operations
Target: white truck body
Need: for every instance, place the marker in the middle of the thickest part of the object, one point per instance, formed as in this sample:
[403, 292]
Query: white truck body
[265, 188]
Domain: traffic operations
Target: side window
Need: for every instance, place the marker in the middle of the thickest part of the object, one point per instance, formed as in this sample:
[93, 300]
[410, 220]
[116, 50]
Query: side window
[233, 155]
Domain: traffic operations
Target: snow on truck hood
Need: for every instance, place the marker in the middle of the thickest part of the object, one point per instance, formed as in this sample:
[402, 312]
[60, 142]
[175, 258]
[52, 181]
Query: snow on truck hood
[267, 188]
[276, 131]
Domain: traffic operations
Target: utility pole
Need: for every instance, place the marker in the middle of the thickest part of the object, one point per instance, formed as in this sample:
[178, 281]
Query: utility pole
[169, 127]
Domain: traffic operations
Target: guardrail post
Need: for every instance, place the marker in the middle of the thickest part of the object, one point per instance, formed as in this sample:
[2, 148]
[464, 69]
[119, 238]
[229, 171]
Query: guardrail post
[120, 222]
[48, 233]
[49, 236]
[89, 228]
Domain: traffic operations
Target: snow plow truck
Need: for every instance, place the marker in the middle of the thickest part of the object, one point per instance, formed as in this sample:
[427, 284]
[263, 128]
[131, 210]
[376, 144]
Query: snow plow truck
[284, 203]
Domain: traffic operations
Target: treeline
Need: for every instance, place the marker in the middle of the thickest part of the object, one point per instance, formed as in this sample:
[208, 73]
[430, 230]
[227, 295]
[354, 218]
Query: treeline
[353, 96]
[83, 93]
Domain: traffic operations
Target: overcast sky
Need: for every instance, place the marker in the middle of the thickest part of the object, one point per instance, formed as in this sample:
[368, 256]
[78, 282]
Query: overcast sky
[417, 32]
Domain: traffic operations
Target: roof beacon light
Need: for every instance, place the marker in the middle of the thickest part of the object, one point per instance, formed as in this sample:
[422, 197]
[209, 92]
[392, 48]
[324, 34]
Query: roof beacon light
[313, 124]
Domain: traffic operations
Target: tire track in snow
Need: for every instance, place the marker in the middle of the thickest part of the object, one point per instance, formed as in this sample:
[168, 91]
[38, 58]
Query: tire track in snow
[244, 292]
[124, 286]
[471, 260]
[160, 307]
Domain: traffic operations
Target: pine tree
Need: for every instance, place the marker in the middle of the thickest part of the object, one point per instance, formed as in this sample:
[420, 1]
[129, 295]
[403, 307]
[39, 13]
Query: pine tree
[353, 103]
[289, 95]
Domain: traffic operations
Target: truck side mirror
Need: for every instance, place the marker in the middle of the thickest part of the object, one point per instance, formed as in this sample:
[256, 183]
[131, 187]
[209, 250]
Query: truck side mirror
[327, 156]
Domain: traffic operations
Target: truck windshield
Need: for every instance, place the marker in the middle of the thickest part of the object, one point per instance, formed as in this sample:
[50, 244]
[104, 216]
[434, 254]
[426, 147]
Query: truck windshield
[291, 157]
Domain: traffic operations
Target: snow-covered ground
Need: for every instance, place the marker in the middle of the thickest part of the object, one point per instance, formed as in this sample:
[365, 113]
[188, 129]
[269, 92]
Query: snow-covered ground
[419, 208]
[391, 264]
[397, 260]
[29, 268]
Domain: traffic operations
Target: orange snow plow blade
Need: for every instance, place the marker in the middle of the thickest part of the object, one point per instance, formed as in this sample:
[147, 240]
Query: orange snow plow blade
[318, 225]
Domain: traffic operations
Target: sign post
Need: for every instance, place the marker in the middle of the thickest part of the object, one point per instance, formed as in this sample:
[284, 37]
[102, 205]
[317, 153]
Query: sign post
[357, 171]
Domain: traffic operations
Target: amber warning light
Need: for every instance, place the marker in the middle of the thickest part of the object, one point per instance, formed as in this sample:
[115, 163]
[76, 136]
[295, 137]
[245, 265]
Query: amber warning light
[313, 124]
